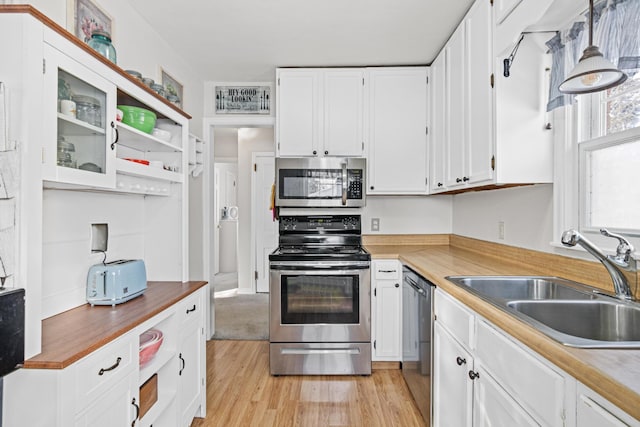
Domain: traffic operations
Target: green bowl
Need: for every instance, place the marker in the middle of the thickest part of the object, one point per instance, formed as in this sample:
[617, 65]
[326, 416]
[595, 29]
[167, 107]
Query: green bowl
[139, 118]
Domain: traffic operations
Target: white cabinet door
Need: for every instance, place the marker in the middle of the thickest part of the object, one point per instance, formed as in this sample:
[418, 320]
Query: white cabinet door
[452, 388]
[343, 111]
[439, 125]
[190, 387]
[595, 411]
[298, 112]
[397, 130]
[388, 311]
[503, 8]
[117, 407]
[79, 123]
[494, 407]
[479, 114]
[455, 93]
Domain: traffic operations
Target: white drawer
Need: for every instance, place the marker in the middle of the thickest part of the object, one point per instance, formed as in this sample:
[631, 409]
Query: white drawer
[103, 368]
[532, 383]
[456, 318]
[192, 307]
[387, 270]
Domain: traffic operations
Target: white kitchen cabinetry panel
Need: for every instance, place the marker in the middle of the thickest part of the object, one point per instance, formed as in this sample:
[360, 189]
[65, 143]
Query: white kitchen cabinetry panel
[455, 160]
[343, 112]
[298, 112]
[396, 124]
[78, 146]
[439, 126]
[452, 392]
[594, 410]
[386, 311]
[117, 407]
[503, 8]
[509, 384]
[320, 112]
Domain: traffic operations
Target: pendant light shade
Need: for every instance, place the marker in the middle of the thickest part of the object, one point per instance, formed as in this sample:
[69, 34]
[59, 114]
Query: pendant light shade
[593, 72]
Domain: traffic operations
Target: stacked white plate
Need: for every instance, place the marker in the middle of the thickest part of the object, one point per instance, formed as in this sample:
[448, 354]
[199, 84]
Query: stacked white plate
[150, 342]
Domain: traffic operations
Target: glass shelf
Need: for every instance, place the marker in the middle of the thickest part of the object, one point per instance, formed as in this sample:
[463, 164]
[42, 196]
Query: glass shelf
[71, 126]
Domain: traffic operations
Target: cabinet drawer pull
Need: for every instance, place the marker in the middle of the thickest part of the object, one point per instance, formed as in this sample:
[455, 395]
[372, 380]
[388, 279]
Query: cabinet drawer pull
[110, 368]
[473, 375]
[183, 364]
[458, 180]
[460, 361]
[387, 271]
[113, 144]
[465, 178]
[135, 405]
[189, 310]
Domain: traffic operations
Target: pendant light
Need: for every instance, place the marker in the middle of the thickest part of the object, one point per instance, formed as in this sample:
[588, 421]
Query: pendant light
[593, 72]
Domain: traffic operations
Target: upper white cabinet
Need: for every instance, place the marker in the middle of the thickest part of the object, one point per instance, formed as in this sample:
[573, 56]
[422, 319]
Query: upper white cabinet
[79, 120]
[319, 112]
[396, 123]
[492, 130]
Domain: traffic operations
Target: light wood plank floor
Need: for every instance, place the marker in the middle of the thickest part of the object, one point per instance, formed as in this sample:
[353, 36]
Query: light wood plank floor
[241, 392]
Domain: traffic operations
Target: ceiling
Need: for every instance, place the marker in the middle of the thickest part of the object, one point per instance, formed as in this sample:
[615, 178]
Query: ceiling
[245, 40]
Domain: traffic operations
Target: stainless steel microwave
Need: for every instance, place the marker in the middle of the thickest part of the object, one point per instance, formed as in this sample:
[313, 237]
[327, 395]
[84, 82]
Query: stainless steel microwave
[320, 182]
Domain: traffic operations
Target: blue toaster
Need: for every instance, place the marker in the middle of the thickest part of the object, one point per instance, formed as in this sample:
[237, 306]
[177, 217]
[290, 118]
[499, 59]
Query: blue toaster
[116, 282]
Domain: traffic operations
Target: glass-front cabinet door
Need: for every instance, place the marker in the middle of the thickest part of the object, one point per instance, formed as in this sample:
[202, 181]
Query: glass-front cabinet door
[79, 116]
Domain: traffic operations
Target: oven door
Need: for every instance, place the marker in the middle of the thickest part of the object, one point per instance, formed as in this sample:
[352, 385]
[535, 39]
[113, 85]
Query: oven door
[320, 302]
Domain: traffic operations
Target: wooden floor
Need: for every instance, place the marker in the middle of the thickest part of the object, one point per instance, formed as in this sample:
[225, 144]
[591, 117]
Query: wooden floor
[240, 392]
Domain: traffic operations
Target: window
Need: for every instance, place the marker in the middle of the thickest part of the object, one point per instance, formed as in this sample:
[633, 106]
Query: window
[609, 159]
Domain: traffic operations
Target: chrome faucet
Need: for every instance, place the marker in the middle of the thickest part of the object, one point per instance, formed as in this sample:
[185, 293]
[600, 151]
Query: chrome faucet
[616, 264]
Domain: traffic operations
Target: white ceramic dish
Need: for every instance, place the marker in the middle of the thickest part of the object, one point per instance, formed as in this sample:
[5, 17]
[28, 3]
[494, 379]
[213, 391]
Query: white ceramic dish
[162, 134]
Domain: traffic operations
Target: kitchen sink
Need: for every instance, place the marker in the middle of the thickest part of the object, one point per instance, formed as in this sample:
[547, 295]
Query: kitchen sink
[523, 287]
[572, 313]
[596, 323]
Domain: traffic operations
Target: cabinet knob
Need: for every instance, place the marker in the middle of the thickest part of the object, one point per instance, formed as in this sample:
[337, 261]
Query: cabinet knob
[460, 361]
[439, 184]
[397, 285]
[465, 178]
[458, 179]
[371, 187]
[315, 152]
[326, 153]
[473, 375]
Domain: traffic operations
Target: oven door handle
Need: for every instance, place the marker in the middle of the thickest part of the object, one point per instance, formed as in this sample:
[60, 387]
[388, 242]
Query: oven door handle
[304, 351]
[302, 267]
[344, 184]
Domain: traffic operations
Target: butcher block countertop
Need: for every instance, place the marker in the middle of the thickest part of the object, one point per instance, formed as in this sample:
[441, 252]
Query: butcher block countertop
[613, 373]
[73, 334]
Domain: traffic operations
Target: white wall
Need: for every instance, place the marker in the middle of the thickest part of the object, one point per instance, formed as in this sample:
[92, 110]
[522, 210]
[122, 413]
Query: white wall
[225, 143]
[527, 213]
[249, 141]
[408, 215]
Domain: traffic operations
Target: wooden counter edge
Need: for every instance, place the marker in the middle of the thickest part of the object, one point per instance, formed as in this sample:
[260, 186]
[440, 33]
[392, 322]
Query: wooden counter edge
[41, 361]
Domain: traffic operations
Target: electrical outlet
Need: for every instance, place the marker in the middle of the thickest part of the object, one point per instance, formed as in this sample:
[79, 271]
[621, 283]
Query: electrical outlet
[99, 237]
[501, 230]
[375, 224]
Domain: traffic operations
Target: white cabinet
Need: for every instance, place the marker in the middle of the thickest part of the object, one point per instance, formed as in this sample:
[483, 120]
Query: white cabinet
[492, 131]
[118, 406]
[482, 377]
[79, 120]
[192, 366]
[319, 112]
[386, 310]
[396, 130]
[594, 410]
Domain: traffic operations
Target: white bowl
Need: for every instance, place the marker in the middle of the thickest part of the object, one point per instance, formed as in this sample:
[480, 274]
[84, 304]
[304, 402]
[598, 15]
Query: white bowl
[162, 134]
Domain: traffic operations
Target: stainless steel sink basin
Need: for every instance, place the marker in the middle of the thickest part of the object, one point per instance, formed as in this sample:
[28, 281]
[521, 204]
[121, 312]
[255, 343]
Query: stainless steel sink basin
[596, 323]
[522, 287]
[574, 314]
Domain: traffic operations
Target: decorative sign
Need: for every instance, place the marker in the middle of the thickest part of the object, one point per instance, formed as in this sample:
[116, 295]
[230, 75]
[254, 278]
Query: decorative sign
[243, 99]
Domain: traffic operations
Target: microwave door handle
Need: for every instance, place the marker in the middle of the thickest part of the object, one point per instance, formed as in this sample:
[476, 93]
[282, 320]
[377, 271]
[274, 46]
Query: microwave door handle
[344, 184]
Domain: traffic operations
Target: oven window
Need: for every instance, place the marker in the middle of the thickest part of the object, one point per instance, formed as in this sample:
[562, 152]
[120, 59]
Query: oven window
[309, 299]
[310, 183]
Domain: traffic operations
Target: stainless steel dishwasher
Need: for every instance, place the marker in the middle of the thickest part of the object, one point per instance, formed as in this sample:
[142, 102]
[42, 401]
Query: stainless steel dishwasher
[417, 333]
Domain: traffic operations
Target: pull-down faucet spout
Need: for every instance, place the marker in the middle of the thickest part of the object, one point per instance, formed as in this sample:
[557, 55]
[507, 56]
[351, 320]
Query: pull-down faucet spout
[616, 265]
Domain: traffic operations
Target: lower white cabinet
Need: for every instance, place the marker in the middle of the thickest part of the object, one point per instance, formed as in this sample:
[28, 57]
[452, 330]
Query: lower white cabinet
[107, 387]
[484, 377]
[386, 310]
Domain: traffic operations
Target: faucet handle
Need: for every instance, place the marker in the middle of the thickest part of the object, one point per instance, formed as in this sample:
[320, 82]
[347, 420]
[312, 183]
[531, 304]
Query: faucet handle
[624, 248]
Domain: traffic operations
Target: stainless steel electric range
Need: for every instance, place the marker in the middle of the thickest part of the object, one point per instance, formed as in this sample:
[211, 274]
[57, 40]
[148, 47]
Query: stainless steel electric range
[320, 297]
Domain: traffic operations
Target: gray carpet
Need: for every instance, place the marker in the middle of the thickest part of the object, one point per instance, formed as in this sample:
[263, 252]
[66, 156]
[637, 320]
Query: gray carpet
[242, 317]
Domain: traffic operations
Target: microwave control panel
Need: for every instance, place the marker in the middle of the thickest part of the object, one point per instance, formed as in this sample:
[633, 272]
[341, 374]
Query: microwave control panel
[354, 184]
